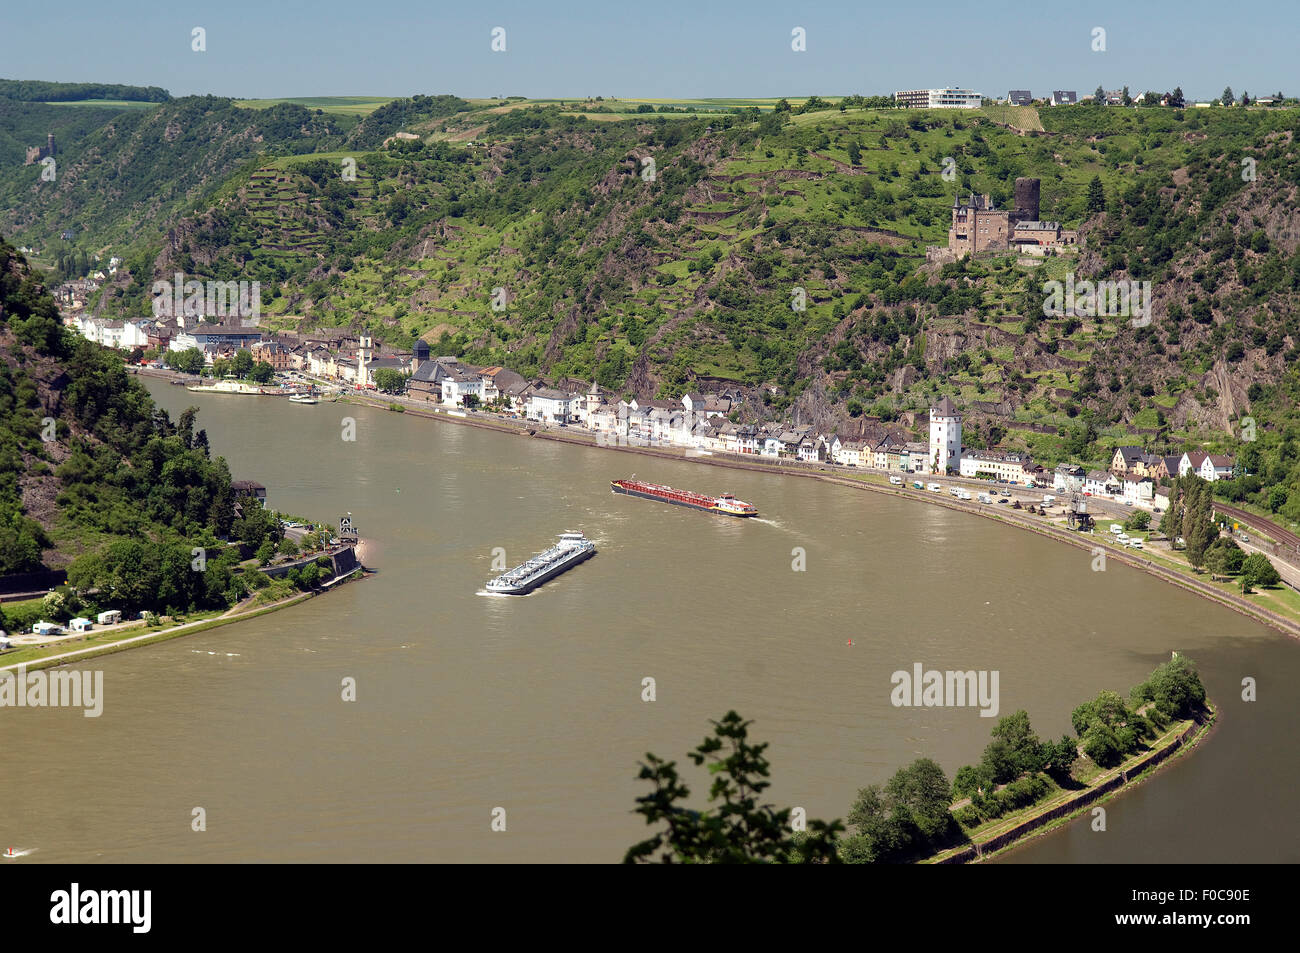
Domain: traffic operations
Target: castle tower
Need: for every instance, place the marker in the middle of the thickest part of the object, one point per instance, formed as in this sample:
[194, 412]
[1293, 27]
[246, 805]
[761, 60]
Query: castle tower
[945, 437]
[1027, 193]
[49, 143]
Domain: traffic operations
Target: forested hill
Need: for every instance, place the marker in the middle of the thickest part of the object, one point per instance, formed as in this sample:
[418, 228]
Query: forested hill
[86, 459]
[41, 91]
[123, 176]
[658, 252]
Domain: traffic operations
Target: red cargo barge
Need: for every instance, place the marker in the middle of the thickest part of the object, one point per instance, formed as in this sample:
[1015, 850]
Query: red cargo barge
[726, 504]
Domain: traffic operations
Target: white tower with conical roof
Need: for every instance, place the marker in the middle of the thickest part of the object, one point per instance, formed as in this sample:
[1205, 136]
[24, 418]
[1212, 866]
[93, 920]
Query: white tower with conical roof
[945, 437]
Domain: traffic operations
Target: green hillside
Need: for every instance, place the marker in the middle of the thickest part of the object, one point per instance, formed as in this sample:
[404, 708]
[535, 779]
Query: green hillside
[653, 284]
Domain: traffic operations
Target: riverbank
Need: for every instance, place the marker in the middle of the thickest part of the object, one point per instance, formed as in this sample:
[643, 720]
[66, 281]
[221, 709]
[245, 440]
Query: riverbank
[874, 481]
[1014, 830]
[38, 657]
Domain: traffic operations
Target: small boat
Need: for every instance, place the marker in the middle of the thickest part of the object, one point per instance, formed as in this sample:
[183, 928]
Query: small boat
[303, 399]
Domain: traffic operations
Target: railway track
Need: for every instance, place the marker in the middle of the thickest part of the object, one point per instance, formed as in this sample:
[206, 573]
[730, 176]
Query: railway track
[1282, 537]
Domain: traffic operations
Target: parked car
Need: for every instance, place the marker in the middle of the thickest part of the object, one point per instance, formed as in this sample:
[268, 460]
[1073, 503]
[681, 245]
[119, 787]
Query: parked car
[935, 488]
[1122, 539]
[896, 481]
[1135, 544]
[1128, 502]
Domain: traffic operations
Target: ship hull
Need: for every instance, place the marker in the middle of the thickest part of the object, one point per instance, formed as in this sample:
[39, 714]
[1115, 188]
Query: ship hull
[641, 494]
[522, 589]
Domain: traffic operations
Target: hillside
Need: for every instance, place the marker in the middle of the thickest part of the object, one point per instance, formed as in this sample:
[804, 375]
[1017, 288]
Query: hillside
[653, 284]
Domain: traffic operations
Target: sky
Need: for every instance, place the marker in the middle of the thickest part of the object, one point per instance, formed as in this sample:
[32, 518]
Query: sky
[655, 48]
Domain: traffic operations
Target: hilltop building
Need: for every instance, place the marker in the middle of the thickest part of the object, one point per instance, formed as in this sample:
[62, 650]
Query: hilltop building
[1064, 97]
[977, 226]
[947, 98]
[37, 153]
[945, 437]
[1020, 97]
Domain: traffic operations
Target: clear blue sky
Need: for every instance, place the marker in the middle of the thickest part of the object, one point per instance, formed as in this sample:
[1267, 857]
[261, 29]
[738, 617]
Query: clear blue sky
[654, 48]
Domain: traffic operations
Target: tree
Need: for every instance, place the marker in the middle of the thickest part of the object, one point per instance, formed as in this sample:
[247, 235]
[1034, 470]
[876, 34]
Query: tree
[1025, 749]
[738, 829]
[242, 364]
[1061, 757]
[1096, 196]
[1125, 98]
[187, 362]
[923, 791]
[1227, 96]
[1108, 707]
[1099, 96]
[1174, 688]
[389, 380]
[261, 373]
[1245, 98]
[1140, 520]
[1101, 744]
[1224, 557]
[1199, 530]
[855, 152]
[1257, 570]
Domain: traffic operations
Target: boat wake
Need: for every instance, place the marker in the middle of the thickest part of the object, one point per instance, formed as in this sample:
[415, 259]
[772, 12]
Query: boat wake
[13, 853]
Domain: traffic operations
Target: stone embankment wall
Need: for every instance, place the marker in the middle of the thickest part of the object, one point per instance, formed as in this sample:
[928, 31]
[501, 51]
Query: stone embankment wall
[1082, 799]
[342, 562]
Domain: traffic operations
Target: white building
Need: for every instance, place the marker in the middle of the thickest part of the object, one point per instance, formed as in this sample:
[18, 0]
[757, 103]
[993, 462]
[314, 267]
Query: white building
[1100, 483]
[995, 464]
[1138, 489]
[549, 405]
[946, 98]
[945, 437]
[1207, 466]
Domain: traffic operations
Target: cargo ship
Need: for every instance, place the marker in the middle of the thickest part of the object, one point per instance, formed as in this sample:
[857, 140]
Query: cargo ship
[572, 549]
[725, 504]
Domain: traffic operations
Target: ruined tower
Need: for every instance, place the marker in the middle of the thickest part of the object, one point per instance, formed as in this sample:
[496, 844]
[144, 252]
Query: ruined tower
[1027, 199]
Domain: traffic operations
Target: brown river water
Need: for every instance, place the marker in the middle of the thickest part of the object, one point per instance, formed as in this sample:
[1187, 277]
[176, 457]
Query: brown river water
[467, 702]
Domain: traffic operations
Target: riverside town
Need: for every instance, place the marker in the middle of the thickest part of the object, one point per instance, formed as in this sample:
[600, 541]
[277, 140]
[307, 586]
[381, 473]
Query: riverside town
[754, 452]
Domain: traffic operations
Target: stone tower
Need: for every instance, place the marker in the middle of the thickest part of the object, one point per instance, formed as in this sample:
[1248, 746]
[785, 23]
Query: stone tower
[945, 437]
[1027, 199]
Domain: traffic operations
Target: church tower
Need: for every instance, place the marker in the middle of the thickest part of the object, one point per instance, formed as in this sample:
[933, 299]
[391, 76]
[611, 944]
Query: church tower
[364, 353]
[945, 437]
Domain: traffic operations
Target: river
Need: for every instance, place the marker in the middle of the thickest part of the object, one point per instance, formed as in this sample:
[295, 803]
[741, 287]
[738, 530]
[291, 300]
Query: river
[466, 702]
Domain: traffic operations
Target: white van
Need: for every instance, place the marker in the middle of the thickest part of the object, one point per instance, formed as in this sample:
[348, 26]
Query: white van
[1048, 500]
[1122, 539]
[897, 481]
[935, 488]
[985, 498]
[1116, 528]
[1135, 543]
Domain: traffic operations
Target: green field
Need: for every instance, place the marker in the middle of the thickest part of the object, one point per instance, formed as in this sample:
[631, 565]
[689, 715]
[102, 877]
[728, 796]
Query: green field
[113, 103]
[342, 105]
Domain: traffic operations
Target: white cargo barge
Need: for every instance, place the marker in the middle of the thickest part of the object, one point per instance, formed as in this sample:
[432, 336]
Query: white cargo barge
[572, 549]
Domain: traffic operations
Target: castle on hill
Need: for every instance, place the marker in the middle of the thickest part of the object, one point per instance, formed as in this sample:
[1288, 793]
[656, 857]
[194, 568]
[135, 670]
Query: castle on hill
[977, 226]
[37, 153]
